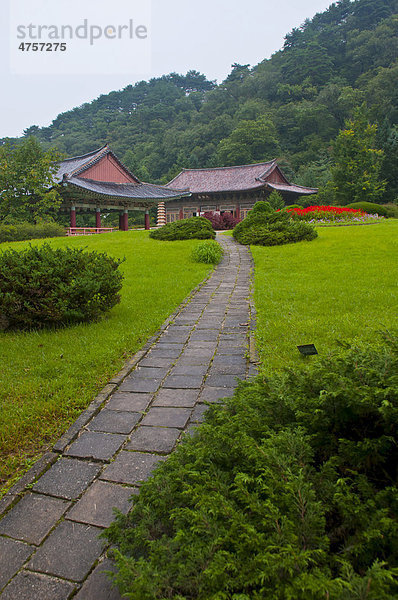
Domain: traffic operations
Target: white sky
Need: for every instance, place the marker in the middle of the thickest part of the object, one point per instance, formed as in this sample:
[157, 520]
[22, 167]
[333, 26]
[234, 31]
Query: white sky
[206, 35]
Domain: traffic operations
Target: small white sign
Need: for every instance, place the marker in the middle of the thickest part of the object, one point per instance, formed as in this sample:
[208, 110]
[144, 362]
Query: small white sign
[75, 37]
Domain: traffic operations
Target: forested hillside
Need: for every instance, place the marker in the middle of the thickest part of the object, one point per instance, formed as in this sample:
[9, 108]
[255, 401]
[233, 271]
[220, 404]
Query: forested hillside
[290, 106]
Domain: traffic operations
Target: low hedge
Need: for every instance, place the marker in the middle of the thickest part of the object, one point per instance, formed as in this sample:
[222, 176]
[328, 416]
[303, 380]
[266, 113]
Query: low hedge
[265, 227]
[289, 491]
[370, 208]
[197, 228]
[26, 231]
[42, 286]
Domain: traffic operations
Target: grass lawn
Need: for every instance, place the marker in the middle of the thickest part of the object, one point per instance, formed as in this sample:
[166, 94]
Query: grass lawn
[341, 286]
[48, 377]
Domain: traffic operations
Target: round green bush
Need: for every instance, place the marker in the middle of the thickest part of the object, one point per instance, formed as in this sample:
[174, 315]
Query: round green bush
[42, 286]
[370, 208]
[197, 228]
[266, 227]
[209, 252]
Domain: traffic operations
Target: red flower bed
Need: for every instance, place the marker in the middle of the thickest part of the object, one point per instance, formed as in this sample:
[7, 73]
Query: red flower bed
[336, 210]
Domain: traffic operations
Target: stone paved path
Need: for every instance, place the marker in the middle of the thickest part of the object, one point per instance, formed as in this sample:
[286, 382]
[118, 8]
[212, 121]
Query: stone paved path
[49, 546]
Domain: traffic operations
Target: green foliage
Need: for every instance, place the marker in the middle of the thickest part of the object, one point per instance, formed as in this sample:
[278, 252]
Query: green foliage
[197, 228]
[27, 231]
[26, 176]
[209, 252]
[275, 200]
[43, 286]
[266, 227]
[286, 492]
[250, 142]
[357, 163]
[370, 208]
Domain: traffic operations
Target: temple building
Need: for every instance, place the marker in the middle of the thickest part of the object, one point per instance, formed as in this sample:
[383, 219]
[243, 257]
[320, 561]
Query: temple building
[229, 189]
[99, 182]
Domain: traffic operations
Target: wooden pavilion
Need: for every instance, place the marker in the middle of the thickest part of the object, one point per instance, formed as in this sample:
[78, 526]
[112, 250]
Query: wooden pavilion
[229, 189]
[99, 182]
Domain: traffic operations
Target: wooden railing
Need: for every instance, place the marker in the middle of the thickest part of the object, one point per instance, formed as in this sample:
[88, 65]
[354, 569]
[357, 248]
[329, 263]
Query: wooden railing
[89, 230]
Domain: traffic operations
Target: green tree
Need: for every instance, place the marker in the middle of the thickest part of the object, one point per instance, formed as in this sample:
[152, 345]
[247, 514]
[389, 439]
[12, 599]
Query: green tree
[357, 162]
[26, 180]
[249, 142]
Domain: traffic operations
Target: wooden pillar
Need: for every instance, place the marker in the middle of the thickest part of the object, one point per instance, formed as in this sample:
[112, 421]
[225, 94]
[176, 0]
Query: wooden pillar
[161, 220]
[237, 211]
[98, 218]
[147, 222]
[73, 216]
[125, 220]
[181, 216]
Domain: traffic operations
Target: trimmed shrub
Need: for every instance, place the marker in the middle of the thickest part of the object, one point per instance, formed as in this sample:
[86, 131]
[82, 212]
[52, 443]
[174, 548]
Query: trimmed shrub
[370, 208]
[42, 286]
[291, 206]
[197, 228]
[209, 252]
[265, 227]
[392, 210]
[27, 231]
[221, 222]
[287, 491]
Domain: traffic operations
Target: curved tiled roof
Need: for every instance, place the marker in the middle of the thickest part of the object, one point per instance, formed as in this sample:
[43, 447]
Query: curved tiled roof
[127, 191]
[223, 179]
[291, 187]
[234, 179]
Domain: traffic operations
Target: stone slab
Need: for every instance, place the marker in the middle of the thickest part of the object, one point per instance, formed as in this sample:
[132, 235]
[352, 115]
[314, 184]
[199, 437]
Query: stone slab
[114, 421]
[158, 362]
[31, 519]
[131, 468]
[151, 372]
[167, 417]
[154, 439]
[221, 381]
[205, 335]
[34, 586]
[68, 478]
[184, 381]
[176, 398]
[139, 384]
[159, 352]
[13, 554]
[229, 360]
[96, 505]
[188, 370]
[98, 586]
[129, 401]
[69, 552]
[100, 446]
[215, 394]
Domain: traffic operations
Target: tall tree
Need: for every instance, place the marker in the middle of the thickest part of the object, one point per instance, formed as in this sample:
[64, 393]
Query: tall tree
[356, 172]
[26, 180]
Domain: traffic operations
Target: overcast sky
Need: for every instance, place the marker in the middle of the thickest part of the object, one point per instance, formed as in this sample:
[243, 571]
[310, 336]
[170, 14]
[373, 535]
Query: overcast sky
[206, 35]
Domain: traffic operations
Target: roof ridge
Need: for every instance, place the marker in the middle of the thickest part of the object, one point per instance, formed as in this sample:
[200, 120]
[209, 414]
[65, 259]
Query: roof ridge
[84, 155]
[95, 157]
[268, 162]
